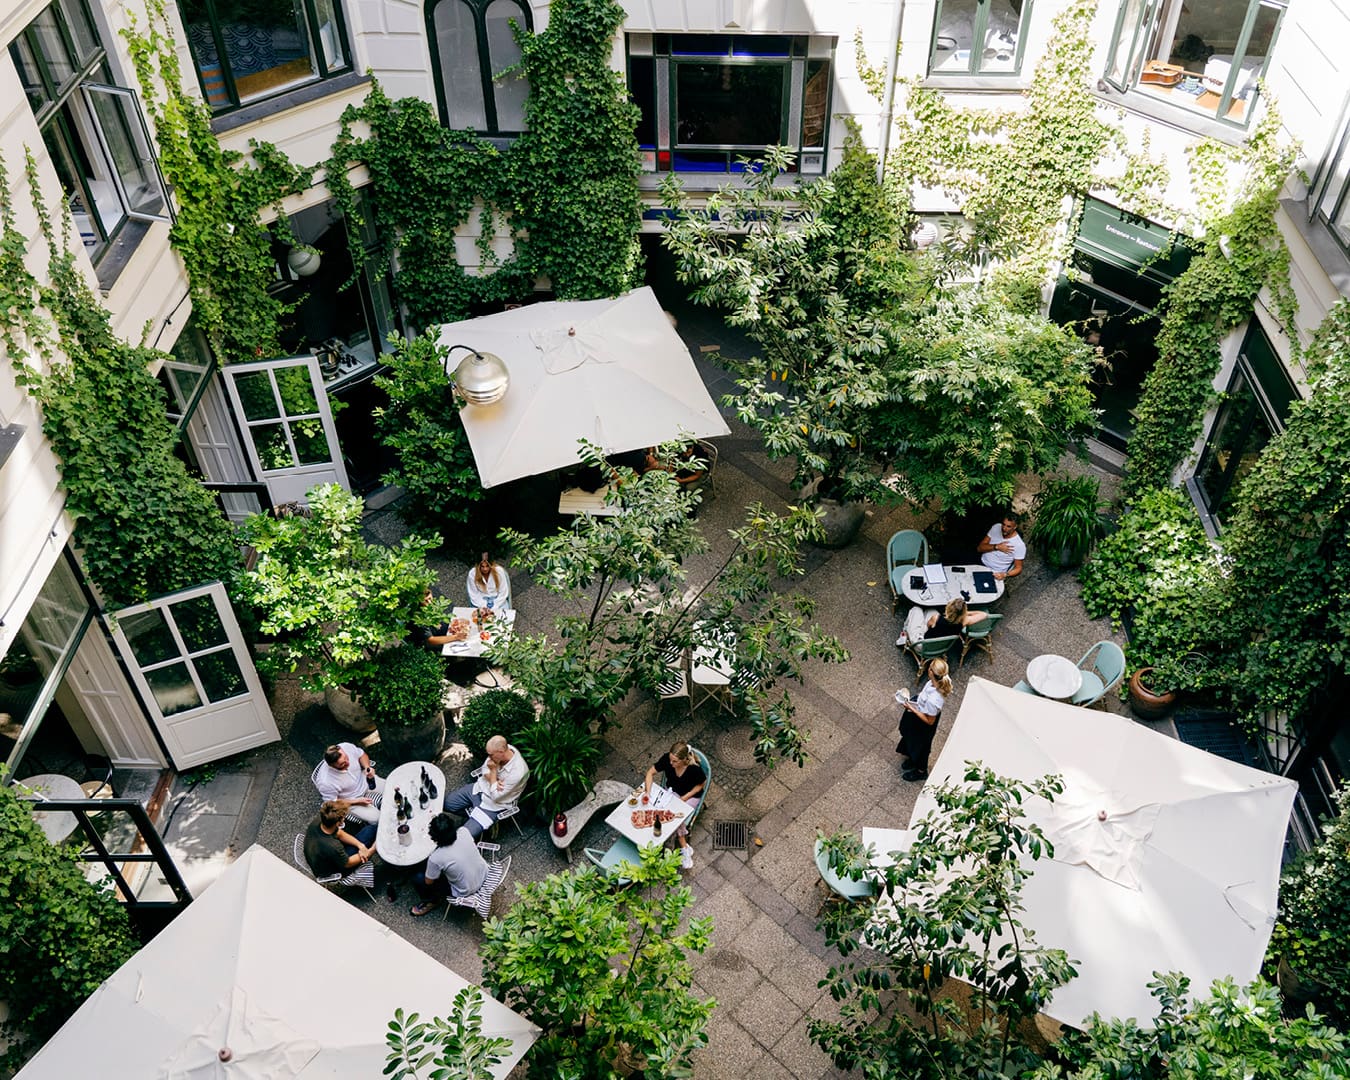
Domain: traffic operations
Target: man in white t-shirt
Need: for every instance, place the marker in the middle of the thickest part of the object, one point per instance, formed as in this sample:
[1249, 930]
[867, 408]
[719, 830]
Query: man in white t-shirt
[500, 783]
[456, 867]
[345, 773]
[1003, 550]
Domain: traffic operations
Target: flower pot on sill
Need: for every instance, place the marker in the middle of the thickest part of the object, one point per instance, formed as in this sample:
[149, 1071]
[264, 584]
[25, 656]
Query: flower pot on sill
[1146, 702]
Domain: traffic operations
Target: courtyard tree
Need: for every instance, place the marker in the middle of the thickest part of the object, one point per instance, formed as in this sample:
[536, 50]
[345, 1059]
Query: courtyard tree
[1235, 1031]
[815, 274]
[877, 373]
[635, 603]
[604, 972]
[949, 908]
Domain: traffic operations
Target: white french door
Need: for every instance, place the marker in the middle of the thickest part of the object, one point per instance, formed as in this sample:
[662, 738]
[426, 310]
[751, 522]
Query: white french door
[287, 423]
[189, 660]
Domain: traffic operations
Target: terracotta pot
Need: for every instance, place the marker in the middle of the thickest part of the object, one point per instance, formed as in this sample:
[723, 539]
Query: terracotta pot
[346, 710]
[1147, 703]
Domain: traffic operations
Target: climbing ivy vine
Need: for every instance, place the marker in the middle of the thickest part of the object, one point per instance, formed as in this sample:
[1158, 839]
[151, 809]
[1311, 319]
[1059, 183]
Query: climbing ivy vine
[563, 194]
[143, 526]
[1241, 252]
[216, 232]
[1012, 171]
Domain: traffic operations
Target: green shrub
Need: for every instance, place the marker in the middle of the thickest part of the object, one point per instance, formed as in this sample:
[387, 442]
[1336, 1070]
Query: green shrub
[1154, 567]
[1312, 932]
[404, 688]
[60, 935]
[498, 712]
[1068, 518]
[563, 757]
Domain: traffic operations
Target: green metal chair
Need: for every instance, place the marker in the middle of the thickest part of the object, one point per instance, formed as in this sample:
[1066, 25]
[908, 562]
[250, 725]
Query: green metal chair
[621, 851]
[905, 550]
[1024, 687]
[1103, 669]
[843, 887]
[980, 636]
[707, 785]
[926, 650]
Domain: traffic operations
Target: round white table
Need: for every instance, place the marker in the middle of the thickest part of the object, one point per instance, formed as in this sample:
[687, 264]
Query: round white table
[57, 825]
[1054, 676]
[407, 777]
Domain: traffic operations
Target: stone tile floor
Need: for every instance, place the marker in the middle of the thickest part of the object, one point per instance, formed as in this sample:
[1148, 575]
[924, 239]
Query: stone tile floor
[767, 958]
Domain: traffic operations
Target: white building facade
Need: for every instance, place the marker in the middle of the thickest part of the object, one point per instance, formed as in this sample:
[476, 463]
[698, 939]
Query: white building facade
[715, 80]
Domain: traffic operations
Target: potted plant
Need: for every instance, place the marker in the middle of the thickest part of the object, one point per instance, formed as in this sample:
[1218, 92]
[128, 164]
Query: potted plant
[329, 600]
[1148, 700]
[563, 758]
[403, 694]
[497, 712]
[1154, 688]
[1069, 518]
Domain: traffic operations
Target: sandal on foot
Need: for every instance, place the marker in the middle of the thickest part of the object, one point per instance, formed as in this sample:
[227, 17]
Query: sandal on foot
[419, 910]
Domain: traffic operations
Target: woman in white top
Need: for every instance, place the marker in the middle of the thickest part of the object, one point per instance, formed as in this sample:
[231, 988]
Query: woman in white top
[488, 585]
[919, 722]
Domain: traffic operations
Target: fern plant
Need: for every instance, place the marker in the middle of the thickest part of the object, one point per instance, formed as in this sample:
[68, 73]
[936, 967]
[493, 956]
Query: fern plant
[1069, 518]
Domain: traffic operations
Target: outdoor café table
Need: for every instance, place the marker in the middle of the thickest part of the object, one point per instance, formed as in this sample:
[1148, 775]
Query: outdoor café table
[55, 825]
[621, 819]
[1054, 676]
[500, 626]
[712, 674]
[958, 578]
[408, 779]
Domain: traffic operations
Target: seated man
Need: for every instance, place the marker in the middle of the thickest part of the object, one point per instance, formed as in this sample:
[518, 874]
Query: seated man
[1002, 550]
[455, 868]
[346, 773]
[330, 848]
[498, 787]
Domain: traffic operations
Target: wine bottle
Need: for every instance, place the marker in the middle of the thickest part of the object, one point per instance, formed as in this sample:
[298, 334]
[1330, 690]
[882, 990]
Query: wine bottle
[422, 798]
[398, 804]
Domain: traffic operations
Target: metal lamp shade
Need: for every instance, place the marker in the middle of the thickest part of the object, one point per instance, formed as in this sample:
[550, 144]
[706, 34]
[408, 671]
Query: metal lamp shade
[482, 378]
[304, 261]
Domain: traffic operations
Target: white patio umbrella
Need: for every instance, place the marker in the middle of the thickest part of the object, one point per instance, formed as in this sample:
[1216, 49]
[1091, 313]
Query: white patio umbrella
[290, 979]
[1167, 858]
[613, 372]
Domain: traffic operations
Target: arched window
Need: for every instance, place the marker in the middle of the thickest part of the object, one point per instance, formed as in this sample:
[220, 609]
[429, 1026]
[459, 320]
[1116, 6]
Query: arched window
[471, 42]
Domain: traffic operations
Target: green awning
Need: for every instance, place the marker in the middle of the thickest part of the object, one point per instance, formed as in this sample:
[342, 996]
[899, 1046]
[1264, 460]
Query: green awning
[1131, 243]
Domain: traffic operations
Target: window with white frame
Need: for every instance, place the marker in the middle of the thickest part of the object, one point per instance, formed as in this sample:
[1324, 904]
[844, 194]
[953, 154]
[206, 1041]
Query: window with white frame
[1203, 57]
[472, 44]
[1329, 199]
[709, 100]
[247, 50]
[978, 37]
[94, 132]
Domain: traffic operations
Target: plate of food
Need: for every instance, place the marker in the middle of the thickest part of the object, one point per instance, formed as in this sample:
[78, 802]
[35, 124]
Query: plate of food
[458, 630]
[644, 819]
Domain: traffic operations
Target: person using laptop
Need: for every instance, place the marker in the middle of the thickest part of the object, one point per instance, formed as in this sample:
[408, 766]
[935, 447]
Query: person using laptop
[1002, 549]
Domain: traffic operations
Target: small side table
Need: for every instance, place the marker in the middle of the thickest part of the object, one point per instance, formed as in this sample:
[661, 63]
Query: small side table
[55, 825]
[1054, 676]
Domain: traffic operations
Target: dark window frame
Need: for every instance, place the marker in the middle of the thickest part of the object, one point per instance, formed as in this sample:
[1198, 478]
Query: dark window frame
[233, 100]
[1250, 374]
[478, 9]
[791, 53]
[979, 32]
[58, 103]
[1145, 27]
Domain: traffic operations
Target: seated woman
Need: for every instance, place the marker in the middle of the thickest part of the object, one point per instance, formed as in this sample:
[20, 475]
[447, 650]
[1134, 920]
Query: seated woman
[929, 622]
[489, 586]
[682, 774]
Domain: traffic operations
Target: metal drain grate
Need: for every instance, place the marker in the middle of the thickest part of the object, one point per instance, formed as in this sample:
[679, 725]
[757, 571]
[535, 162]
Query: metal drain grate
[731, 835]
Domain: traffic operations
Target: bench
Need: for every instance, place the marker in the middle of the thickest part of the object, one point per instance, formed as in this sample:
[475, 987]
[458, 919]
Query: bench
[579, 501]
[605, 793]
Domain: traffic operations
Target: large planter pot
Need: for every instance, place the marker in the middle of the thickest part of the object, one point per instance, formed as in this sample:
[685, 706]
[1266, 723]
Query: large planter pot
[1146, 702]
[841, 522]
[1295, 986]
[417, 742]
[347, 711]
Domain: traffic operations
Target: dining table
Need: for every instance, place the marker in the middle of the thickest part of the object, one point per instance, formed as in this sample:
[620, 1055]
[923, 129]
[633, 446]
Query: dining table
[1054, 676]
[662, 798]
[407, 778]
[498, 628]
[974, 581]
[711, 671]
